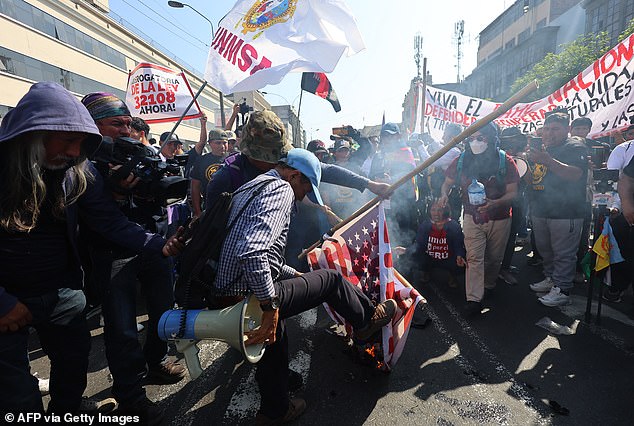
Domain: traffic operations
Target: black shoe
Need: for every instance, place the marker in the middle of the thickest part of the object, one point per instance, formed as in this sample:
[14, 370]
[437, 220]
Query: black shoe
[295, 381]
[612, 296]
[149, 412]
[166, 373]
[296, 408]
[535, 261]
[473, 308]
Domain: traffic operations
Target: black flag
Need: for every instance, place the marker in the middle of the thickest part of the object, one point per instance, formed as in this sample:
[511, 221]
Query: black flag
[318, 83]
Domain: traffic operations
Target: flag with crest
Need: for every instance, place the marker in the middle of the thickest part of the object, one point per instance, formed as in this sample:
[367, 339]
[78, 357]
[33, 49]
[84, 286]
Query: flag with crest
[361, 252]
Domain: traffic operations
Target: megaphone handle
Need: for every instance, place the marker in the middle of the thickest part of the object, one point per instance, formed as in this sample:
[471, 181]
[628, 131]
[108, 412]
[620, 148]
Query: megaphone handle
[189, 348]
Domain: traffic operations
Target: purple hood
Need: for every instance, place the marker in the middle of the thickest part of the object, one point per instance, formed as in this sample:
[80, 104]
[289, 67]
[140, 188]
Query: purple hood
[48, 106]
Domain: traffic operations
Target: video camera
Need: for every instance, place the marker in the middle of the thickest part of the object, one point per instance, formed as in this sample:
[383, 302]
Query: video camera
[244, 108]
[159, 180]
[348, 131]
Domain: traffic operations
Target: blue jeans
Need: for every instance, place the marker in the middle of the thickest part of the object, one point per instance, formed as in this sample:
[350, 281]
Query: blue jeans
[61, 326]
[128, 362]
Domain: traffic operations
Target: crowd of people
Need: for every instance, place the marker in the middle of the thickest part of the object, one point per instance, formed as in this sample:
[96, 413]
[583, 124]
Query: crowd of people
[90, 236]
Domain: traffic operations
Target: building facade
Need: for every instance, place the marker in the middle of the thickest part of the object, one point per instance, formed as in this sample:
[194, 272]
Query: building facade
[519, 38]
[612, 16]
[81, 45]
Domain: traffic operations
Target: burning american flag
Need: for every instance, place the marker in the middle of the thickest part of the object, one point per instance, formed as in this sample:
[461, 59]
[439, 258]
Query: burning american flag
[362, 254]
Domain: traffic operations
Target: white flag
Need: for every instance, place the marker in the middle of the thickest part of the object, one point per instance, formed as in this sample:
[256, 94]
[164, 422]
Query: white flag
[157, 94]
[260, 41]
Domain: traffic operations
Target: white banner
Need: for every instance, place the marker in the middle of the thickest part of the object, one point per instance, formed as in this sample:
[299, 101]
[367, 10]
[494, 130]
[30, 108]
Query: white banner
[602, 92]
[157, 94]
[260, 41]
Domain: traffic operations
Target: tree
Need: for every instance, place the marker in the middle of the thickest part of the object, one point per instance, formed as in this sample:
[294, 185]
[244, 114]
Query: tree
[556, 69]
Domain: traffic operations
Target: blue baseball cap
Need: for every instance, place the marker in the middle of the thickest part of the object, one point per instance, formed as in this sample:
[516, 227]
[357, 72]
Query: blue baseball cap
[308, 164]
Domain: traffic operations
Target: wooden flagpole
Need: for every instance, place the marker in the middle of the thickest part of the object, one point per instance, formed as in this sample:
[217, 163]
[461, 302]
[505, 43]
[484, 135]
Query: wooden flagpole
[510, 103]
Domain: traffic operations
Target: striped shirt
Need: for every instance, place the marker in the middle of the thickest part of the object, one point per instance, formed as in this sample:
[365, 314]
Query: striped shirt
[252, 256]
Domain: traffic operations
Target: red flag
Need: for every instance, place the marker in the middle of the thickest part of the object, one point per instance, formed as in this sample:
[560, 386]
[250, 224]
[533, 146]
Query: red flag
[362, 254]
[318, 83]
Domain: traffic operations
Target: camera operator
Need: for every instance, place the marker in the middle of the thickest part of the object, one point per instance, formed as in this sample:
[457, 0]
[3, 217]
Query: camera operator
[118, 268]
[46, 184]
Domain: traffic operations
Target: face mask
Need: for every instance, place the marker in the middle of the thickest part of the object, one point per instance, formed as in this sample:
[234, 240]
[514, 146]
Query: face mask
[478, 147]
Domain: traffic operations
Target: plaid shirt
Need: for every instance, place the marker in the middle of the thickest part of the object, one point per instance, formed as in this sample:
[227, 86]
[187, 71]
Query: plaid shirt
[252, 256]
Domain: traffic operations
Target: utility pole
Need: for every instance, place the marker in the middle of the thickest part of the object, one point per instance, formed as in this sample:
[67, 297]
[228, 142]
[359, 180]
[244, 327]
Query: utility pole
[418, 46]
[458, 37]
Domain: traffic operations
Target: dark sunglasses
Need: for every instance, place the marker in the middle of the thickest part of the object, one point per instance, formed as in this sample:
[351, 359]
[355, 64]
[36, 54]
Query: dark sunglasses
[479, 138]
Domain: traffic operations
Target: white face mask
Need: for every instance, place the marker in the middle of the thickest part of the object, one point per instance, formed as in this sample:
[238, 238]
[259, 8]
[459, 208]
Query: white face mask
[478, 147]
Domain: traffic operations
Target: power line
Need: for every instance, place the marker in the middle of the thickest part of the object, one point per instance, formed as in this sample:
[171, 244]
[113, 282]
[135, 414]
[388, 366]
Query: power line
[167, 29]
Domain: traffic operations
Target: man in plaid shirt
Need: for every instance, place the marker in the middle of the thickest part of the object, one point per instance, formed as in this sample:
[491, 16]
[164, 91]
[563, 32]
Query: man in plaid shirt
[252, 260]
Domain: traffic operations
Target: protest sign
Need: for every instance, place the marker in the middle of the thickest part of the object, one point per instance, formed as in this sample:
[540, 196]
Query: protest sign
[259, 41]
[602, 92]
[157, 94]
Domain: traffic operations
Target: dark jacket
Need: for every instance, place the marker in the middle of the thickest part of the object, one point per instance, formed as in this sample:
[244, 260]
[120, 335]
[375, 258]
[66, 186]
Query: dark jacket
[237, 170]
[50, 107]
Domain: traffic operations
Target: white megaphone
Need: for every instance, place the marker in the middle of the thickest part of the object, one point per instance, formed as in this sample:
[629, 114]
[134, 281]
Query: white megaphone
[186, 327]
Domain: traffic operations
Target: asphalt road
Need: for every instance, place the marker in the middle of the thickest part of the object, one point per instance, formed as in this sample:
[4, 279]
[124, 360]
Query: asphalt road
[496, 368]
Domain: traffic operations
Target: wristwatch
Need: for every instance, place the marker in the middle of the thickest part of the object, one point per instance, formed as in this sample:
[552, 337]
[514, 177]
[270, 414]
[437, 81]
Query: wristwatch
[270, 305]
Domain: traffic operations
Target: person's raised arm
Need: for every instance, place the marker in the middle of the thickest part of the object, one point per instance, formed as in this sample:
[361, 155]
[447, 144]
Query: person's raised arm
[202, 140]
[232, 119]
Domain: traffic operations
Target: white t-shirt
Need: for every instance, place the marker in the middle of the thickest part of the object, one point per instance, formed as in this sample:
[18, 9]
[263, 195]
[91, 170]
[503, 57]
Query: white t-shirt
[621, 156]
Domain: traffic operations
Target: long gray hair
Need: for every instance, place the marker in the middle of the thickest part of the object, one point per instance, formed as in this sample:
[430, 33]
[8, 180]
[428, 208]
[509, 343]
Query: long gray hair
[22, 187]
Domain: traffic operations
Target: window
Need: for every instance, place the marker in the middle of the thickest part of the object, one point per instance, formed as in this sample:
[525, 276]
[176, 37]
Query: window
[41, 21]
[524, 35]
[17, 64]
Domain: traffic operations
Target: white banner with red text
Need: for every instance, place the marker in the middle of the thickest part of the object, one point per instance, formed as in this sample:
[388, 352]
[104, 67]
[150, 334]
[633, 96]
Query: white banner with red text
[602, 92]
[157, 94]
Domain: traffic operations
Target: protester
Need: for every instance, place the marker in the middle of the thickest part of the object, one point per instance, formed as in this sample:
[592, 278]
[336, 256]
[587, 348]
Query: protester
[169, 148]
[206, 166]
[318, 148]
[250, 264]
[439, 244]
[343, 201]
[118, 269]
[46, 184]
[558, 176]
[621, 273]
[486, 227]
[232, 142]
[262, 144]
[140, 131]
[394, 160]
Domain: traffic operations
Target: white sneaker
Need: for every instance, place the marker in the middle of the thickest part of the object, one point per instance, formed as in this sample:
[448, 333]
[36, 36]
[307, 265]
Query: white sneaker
[94, 405]
[43, 385]
[555, 298]
[543, 286]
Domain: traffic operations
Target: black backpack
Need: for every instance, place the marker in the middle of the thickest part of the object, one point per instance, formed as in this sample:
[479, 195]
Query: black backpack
[204, 238]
